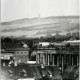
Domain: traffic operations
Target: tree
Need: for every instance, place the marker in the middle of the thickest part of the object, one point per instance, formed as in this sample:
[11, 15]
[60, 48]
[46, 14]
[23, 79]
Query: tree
[75, 36]
[7, 40]
[68, 36]
[30, 43]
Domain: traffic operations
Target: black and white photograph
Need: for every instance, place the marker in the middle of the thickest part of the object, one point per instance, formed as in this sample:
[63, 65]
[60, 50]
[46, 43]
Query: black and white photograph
[39, 40]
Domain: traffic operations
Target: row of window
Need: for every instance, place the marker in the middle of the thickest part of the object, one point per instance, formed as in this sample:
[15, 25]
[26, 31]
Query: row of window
[21, 52]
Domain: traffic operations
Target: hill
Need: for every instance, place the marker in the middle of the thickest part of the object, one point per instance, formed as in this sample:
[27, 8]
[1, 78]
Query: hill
[37, 27]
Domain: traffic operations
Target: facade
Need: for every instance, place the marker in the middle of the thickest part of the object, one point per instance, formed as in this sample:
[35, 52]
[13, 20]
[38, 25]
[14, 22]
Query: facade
[21, 56]
[45, 56]
[7, 55]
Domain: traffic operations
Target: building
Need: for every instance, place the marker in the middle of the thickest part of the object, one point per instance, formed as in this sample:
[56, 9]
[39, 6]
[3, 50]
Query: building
[7, 55]
[59, 55]
[45, 56]
[19, 54]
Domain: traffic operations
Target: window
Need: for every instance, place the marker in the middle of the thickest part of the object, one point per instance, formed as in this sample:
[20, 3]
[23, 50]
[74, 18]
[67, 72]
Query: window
[21, 52]
[17, 52]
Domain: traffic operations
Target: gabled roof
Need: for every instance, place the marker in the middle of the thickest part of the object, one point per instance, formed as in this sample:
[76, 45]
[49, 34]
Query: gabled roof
[14, 47]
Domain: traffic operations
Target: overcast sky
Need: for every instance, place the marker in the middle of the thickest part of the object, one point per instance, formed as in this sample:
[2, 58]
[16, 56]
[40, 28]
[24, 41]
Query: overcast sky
[18, 9]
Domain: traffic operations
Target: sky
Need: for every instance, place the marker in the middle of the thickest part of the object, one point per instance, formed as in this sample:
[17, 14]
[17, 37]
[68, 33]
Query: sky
[18, 9]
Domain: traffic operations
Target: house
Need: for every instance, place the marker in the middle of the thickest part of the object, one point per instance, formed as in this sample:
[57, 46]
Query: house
[19, 53]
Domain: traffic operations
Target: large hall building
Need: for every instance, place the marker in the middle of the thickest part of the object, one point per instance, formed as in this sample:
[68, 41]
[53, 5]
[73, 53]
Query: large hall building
[62, 54]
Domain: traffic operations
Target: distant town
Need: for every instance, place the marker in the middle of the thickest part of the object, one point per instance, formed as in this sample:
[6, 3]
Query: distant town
[45, 58]
[40, 40]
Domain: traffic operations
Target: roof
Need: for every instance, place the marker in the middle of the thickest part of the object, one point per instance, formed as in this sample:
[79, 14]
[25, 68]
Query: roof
[7, 52]
[49, 52]
[68, 74]
[14, 47]
[44, 43]
[75, 41]
[17, 49]
[45, 48]
[34, 71]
